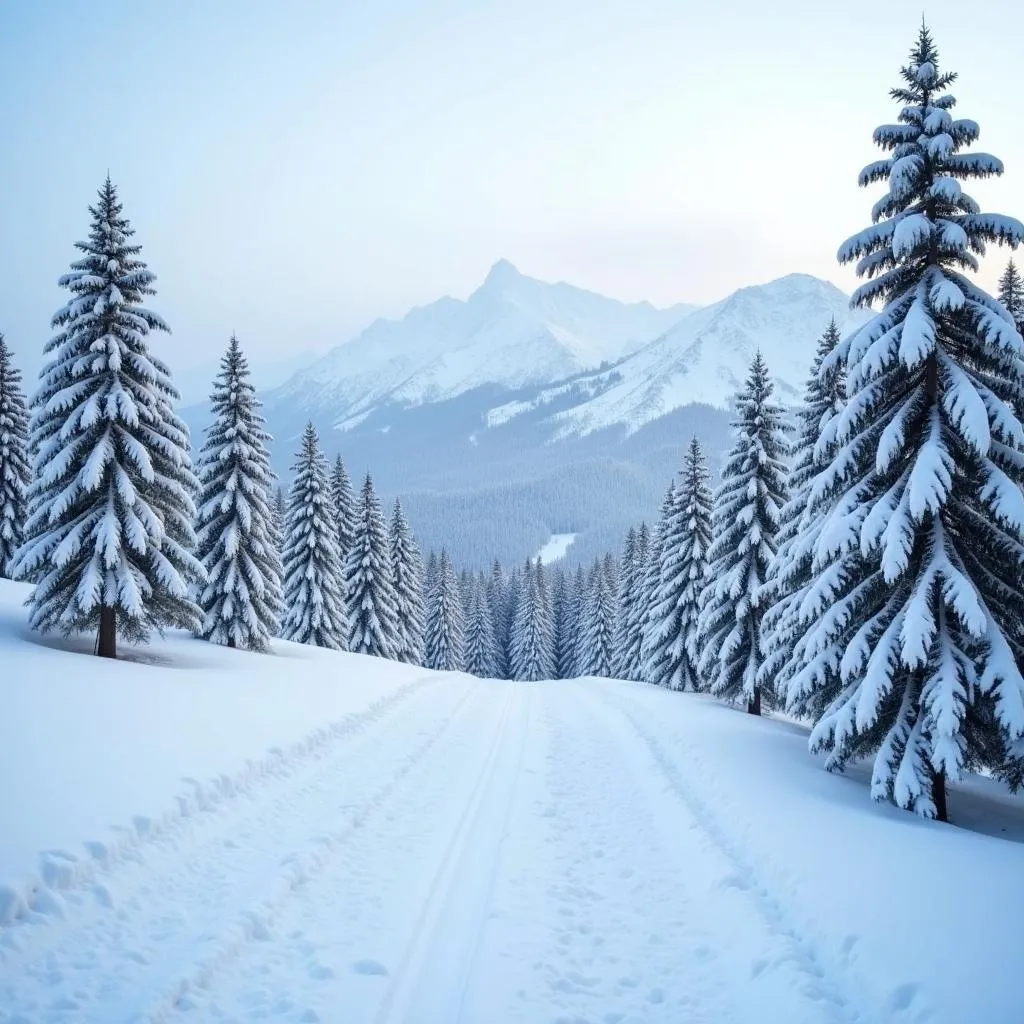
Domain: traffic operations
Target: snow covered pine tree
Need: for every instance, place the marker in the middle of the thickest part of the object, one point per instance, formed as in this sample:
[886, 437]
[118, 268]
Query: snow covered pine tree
[481, 647]
[632, 666]
[626, 593]
[1011, 294]
[344, 508]
[14, 468]
[108, 540]
[745, 518]
[236, 531]
[445, 636]
[652, 578]
[531, 648]
[918, 604]
[792, 573]
[597, 626]
[369, 582]
[407, 570]
[672, 620]
[313, 586]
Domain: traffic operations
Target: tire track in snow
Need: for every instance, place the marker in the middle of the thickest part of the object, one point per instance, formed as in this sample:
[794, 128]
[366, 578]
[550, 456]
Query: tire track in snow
[255, 921]
[824, 983]
[454, 912]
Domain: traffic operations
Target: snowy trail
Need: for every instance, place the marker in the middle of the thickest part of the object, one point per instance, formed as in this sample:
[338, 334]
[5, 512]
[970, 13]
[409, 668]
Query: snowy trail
[468, 852]
[169, 920]
[784, 965]
[391, 935]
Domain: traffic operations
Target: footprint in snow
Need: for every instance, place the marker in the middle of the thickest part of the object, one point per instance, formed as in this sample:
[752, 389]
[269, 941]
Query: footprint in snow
[369, 967]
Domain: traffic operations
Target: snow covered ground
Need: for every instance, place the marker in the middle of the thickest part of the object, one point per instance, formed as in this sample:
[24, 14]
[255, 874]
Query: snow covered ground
[420, 847]
[556, 547]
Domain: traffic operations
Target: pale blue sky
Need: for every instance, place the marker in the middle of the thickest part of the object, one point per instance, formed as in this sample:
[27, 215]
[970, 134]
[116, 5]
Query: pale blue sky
[295, 170]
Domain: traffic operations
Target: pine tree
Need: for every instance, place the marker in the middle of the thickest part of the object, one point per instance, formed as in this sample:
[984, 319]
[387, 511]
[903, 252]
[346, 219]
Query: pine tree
[1011, 294]
[745, 520]
[430, 575]
[370, 599]
[513, 591]
[314, 596]
[676, 605]
[530, 651]
[108, 539]
[597, 626]
[632, 665]
[345, 510]
[481, 647]
[445, 637]
[467, 584]
[560, 610]
[651, 580]
[236, 535]
[280, 514]
[547, 622]
[497, 595]
[611, 573]
[792, 574]
[14, 466]
[568, 667]
[917, 608]
[407, 567]
[626, 594]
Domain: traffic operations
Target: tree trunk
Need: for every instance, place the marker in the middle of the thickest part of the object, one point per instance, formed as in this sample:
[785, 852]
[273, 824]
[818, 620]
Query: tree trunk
[754, 706]
[231, 641]
[939, 796]
[107, 645]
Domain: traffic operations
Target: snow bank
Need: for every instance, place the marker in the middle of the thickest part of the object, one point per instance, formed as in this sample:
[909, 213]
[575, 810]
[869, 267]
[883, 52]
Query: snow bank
[112, 754]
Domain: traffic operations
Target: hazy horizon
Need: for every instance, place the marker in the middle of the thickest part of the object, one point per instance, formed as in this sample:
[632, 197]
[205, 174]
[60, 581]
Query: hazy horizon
[295, 174]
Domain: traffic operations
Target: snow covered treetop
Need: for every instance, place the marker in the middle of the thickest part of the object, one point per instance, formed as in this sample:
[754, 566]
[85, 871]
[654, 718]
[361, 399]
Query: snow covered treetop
[925, 213]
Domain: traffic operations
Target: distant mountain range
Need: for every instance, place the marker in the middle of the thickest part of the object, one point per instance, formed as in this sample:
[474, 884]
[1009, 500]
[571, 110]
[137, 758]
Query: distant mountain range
[512, 332]
[533, 409]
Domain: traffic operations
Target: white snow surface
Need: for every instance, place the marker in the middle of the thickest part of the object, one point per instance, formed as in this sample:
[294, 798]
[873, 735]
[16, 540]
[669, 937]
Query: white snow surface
[428, 847]
[705, 358]
[512, 331]
[556, 547]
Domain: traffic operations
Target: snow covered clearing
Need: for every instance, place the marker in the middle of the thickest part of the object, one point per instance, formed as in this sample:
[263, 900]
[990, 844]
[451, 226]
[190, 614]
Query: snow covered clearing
[431, 847]
[556, 547]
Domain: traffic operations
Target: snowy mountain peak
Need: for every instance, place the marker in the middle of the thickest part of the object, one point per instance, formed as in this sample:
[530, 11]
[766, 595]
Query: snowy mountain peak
[513, 331]
[502, 275]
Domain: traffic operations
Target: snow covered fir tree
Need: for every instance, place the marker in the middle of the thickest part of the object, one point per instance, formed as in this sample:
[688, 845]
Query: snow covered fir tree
[14, 464]
[445, 632]
[917, 605]
[344, 507]
[236, 533]
[481, 644]
[792, 574]
[745, 519]
[1011, 294]
[369, 582]
[532, 643]
[109, 540]
[314, 595]
[595, 635]
[407, 577]
[675, 603]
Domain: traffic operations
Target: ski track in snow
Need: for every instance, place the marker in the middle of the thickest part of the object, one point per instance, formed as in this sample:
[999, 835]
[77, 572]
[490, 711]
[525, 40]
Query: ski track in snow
[474, 852]
[825, 987]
